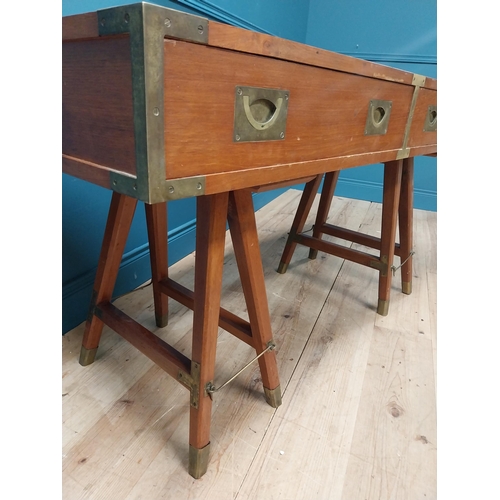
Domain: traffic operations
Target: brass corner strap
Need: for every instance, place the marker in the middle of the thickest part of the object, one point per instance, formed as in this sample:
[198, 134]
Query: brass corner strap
[192, 382]
[417, 81]
[210, 387]
[147, 25]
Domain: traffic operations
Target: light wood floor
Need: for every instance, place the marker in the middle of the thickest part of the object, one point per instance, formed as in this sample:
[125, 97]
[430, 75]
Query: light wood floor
[358, 419]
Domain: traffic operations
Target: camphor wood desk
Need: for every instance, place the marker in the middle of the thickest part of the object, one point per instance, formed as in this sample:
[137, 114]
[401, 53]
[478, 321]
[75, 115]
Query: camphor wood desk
[159, 105]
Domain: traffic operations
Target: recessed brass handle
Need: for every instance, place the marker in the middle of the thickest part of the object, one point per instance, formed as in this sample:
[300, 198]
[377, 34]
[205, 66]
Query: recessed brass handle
[264, 108]
[377, 120]
[260, 114]
[430, 123]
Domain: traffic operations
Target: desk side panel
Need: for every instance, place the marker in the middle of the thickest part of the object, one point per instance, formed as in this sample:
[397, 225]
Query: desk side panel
[97, 116]
[327, 111]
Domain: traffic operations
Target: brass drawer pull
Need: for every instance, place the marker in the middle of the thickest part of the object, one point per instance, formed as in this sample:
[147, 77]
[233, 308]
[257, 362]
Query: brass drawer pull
[264, 108]
[377, 120]
[260, 114]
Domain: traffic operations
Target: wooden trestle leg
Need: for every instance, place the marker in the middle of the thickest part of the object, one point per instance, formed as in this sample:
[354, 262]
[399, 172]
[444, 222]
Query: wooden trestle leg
[197, 373]
[211, 214]
[305, 204]
[392, 189]
[156, 219]
[406, 225]
[120, 217]
[246, 249]
[325, 202]
[397, 199]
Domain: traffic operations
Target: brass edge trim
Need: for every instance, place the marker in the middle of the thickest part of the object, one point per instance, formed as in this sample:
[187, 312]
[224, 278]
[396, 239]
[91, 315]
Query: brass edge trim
[404, 152]
[176, 189]
[380, 265]
[195, 387]
[125, 184]
[418, 80]
[148, 25]
[192, 382]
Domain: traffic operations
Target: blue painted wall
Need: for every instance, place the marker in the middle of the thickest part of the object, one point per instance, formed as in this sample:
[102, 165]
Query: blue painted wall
[400, 33]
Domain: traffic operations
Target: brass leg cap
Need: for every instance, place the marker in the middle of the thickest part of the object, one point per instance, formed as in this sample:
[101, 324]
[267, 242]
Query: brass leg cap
[161, 321]
[313, 253]
[198, 460]
[383, 307]
[87, 356]
[407, 287]
[273, 396]
[282, 267]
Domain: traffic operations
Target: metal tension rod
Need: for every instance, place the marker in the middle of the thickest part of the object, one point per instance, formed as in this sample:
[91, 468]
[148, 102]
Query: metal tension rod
[394, 268]
[210, 388]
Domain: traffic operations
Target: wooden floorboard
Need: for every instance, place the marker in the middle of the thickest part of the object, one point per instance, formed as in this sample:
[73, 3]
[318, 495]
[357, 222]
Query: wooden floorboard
[358, 419]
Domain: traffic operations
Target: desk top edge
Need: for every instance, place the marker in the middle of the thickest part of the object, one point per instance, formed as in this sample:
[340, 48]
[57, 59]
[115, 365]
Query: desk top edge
[86, 26]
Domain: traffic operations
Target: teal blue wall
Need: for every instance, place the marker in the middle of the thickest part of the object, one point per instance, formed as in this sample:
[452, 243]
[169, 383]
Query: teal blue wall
[399, 33]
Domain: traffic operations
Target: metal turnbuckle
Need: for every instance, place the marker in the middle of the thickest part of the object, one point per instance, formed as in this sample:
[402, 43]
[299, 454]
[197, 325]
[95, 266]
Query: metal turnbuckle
[210, 388]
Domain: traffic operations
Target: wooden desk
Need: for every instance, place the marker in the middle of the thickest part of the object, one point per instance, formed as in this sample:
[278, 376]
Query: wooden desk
[160, 105]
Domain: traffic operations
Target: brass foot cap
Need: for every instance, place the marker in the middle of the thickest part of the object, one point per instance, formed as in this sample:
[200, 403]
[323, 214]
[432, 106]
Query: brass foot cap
[273, 396]
[407, 287]
[313, 253]
[383, 307]
[161, 321]
[87, 356]
[282, 267]
[198, 460]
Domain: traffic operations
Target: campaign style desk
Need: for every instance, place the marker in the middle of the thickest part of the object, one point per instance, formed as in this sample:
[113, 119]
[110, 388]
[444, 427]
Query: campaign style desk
[160, 105]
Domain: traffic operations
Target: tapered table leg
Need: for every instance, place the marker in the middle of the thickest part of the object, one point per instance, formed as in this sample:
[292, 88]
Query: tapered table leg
[211, 214]
[305, 204]
[245, 240]
[121, 213]
[325, 202]
[392, 190]
[406, 225]
[156, 219]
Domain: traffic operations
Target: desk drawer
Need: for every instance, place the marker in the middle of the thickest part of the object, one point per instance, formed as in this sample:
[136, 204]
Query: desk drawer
[326, 116]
